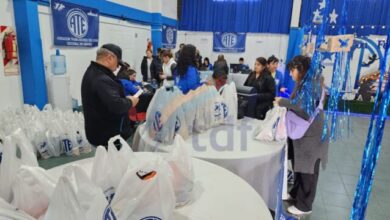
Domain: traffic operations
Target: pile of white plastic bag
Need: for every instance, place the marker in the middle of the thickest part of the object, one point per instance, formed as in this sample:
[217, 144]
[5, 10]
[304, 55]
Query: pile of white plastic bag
[171, 112]
[51, 131]
[120, 185]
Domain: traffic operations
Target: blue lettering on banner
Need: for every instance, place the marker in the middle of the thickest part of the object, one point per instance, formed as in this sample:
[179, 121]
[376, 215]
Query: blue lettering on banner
[169, 37]
[80, 27]
[108, 214]
[229, 42]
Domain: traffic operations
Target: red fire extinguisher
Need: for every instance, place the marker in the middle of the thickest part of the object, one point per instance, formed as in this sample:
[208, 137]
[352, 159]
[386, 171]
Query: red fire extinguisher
[9, 45]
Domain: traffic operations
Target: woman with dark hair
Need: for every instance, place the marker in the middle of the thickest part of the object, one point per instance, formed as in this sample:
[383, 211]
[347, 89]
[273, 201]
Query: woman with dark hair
[129, 83]
[309, 150]
[186, 74]
[131, 86]
[220, 65]
[263, 82]
[206, 66]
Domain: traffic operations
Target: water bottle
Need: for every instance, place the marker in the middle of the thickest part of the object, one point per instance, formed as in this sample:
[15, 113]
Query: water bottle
[58, 63]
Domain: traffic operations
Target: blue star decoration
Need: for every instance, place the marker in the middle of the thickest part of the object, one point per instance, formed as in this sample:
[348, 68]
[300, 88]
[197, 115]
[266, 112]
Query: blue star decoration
[327, 56]
[343, 43]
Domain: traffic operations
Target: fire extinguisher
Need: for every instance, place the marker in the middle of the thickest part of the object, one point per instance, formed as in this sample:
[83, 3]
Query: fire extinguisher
[9, 45]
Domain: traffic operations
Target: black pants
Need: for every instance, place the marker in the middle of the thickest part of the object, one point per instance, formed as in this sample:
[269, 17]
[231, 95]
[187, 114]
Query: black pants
[304, 189]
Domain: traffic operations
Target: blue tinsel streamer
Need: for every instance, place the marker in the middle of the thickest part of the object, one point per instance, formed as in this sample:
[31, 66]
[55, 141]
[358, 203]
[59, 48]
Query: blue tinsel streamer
[373, 145]
[310, 90]
[339, 77]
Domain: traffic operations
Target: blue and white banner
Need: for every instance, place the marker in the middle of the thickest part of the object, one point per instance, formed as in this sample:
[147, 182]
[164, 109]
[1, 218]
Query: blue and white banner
[169, 37]
[74, 25]
[229, 42]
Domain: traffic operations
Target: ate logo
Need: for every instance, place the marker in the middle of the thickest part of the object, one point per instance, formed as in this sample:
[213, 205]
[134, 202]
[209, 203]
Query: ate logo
[229, 40]
[77, 22]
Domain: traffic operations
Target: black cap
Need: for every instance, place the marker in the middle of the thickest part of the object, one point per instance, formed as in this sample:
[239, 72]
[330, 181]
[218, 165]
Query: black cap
[115, 50]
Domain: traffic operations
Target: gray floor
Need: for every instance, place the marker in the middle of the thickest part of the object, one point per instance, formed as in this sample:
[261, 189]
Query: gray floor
[337, 183]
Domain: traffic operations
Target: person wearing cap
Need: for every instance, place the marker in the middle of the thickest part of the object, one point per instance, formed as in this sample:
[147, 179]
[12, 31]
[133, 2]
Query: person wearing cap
[105, 105]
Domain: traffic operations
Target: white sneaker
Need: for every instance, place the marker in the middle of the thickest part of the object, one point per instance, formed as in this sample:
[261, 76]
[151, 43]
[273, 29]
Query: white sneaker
[293, 210]
[289, 198]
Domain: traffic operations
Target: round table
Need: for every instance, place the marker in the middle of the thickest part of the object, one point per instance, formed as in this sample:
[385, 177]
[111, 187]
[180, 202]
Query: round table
[218, 193]
[232, 147]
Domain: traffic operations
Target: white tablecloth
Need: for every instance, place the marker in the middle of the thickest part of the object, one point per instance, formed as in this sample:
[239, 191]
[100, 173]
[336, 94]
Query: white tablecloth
[233, 148]
[218, 193]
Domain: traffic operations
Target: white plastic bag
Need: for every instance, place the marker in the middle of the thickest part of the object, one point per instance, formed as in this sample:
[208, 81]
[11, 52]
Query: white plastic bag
[110, 166]
[165, 117]
[273, 127]
[229, 95]
[145, 192]
[18, 151]
[9, 212]
[76, 197]
[32, 189]
[183, 174]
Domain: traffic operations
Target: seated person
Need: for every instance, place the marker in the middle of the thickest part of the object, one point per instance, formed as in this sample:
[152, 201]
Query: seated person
[242, 65]
[131, 86]
[263, 82]
[206, 66]
[129, 83]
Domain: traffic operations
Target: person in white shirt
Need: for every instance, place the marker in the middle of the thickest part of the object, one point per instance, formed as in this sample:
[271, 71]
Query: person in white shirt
[169, 64]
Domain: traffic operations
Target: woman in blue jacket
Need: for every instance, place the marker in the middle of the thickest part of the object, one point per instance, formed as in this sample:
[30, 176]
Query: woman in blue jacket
[129, 82]
[273, 64]
[186, 75]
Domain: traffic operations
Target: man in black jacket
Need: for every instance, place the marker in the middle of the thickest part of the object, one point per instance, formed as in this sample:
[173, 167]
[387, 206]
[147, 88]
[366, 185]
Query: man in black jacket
[105, 106]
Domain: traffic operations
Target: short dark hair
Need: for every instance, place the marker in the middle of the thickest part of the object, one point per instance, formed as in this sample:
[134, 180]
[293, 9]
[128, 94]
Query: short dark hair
[241, 59]
[272, 59]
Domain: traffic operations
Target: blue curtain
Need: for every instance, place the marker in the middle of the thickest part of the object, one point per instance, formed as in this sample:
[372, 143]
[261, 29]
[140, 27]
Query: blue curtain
[366, 13]
[256, 16]
[294, 48]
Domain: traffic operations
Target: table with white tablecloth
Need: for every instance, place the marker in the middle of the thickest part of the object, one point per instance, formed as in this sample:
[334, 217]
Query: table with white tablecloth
[217, 194]
[233, 148]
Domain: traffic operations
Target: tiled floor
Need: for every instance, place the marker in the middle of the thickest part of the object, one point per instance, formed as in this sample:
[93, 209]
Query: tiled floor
[337, 183]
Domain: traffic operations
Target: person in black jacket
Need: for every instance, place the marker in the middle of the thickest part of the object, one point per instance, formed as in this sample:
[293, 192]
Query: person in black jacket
[262, 80]
[105, 105]
[221, 65]
[151, 68]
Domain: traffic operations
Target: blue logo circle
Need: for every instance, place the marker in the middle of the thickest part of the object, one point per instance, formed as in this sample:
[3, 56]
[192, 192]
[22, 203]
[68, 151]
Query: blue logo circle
[77, 22]
[229, 40]
[169, 35]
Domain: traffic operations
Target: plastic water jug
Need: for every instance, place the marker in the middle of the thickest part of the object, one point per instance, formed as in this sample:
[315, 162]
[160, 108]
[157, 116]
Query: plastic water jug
[58, 63]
